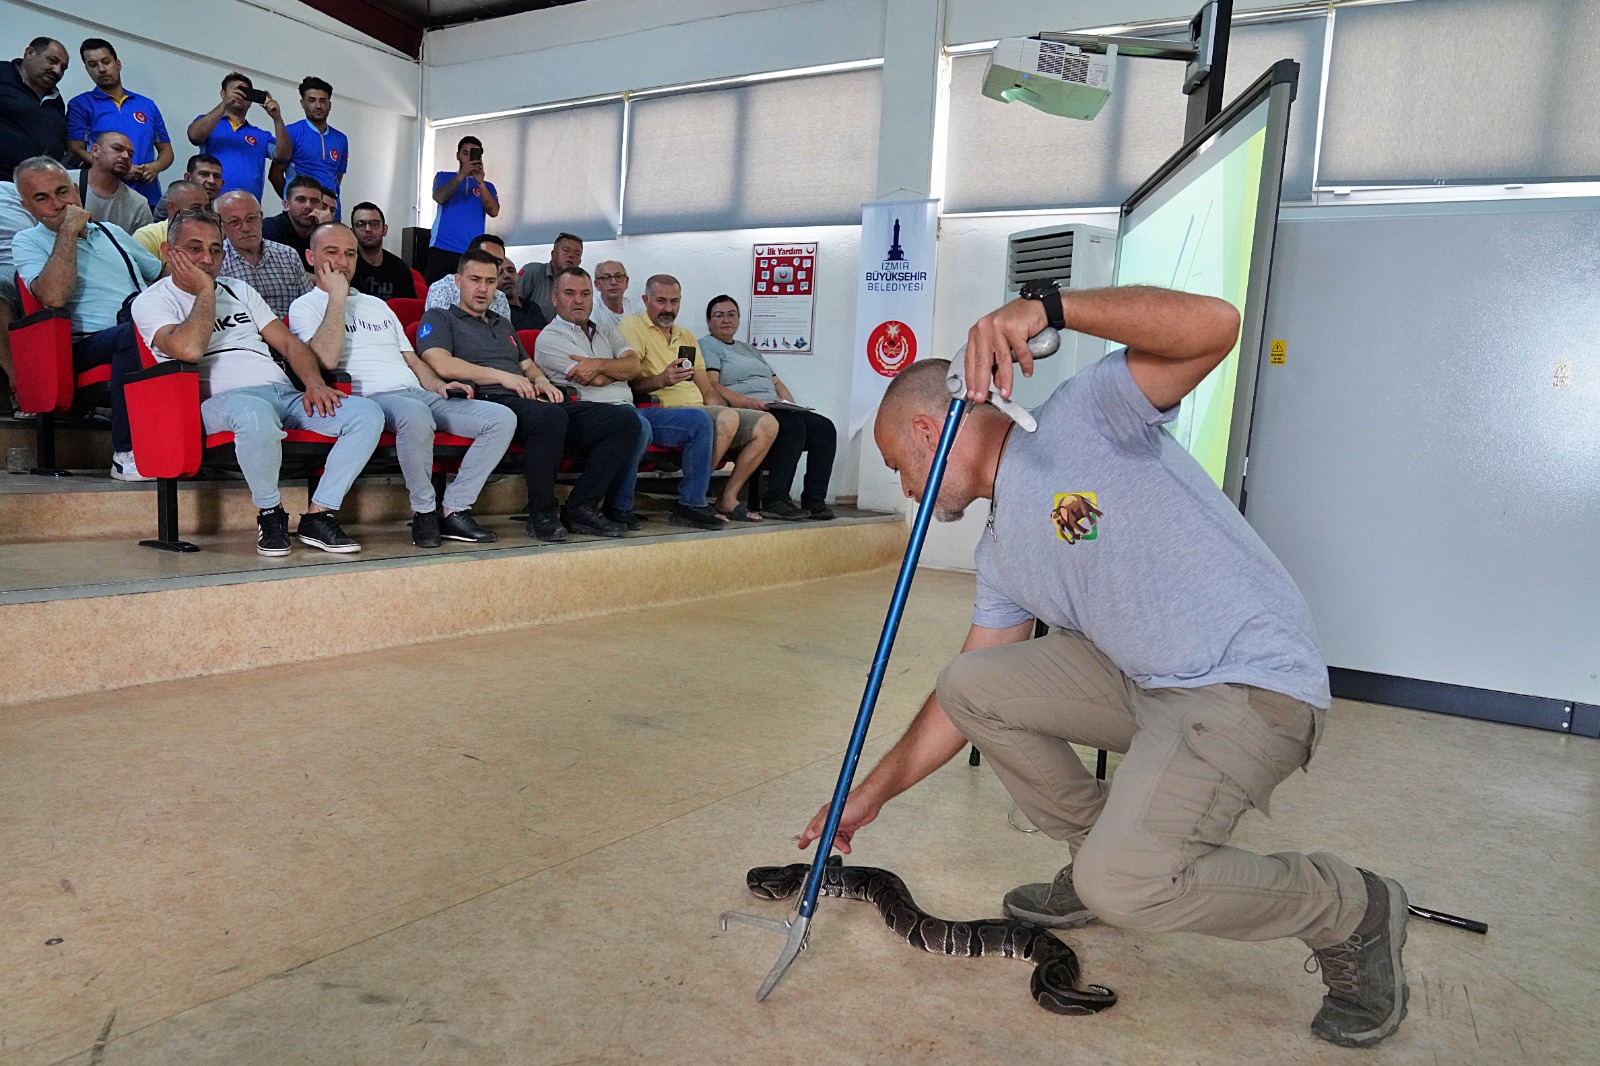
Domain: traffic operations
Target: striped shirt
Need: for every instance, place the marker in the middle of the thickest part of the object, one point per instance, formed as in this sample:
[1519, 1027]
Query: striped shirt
[279, 278]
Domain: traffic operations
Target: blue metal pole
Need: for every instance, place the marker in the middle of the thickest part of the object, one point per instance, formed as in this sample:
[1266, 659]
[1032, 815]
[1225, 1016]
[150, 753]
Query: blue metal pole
[880, 663]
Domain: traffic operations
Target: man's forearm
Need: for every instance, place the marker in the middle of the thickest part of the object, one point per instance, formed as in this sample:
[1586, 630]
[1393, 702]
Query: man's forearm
[447, 190]
[328, 342]
[59, 278]
[79, 150]
[930, 741]
[186, 341]
[201, 127]
[1159, 322]
[163, 158]
[452, 368]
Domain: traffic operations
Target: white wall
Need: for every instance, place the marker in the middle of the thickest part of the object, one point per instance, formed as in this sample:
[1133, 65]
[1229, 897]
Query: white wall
[376, 93]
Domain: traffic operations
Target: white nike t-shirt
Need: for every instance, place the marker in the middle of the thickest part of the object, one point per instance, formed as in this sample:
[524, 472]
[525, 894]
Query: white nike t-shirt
[374, 341]
[236, 356]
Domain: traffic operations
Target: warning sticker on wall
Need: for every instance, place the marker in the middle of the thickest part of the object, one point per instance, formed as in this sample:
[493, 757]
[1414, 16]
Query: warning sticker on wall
[1279, 354]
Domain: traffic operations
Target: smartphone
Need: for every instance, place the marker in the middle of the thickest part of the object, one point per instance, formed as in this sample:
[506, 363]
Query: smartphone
[475, 154]
[686, 356]
[255, 96]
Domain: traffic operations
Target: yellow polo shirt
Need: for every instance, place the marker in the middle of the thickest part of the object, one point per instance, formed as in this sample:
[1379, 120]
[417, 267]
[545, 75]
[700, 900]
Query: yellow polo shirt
[656, 351]
[151, 236]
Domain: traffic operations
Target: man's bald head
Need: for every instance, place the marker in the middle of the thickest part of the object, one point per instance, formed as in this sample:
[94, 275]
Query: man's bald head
[327, 230]
[918, 389]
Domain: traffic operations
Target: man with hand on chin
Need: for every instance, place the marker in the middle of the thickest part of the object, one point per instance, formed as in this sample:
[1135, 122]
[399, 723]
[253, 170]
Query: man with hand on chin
[225, 327]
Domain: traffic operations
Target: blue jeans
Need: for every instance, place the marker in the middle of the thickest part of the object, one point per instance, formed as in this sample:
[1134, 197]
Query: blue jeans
[257, 416]
[689, 428]
[415, 414]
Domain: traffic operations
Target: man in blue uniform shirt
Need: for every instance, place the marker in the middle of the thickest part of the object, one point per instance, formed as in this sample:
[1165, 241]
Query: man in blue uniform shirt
[243, 149]
[466, 201]
[319, 150]
[110, 106]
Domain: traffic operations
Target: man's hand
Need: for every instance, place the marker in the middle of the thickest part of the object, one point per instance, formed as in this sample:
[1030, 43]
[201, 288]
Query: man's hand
[519, 385]
[584, 371]
[676, 372]
[546, 391]
[142, 173]
[857, 813]
[997, 339]
[461, 389]
[74, 220]
[233, 96]
[331, 280]
[270, 106]
[320, 399]
[186, 275]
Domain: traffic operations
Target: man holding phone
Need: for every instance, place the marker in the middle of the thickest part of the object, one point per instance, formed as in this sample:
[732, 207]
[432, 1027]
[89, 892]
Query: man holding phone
[242, 149]
[466, 201]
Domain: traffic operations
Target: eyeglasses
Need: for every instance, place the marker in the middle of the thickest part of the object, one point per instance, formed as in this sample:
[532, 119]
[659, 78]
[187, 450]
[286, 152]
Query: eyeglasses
[611, 277]
[723, 314]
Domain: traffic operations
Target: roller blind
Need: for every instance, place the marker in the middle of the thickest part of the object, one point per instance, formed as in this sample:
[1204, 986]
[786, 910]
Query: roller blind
[554, 170]
[798, 151]
[1460, 91]
[1012, 157]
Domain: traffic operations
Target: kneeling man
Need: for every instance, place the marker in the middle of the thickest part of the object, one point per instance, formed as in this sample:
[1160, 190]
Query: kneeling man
[1176, 637]
[358, 334]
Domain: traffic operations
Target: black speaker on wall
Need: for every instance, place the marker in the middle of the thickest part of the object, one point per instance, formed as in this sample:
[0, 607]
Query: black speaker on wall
[414, 247]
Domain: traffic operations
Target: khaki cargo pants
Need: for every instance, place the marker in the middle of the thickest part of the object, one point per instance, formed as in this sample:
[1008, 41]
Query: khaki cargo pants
[1150, 850]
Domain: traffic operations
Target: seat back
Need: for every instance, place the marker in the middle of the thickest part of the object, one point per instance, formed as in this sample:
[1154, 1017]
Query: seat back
[164, 415]
[407, 311]
[526, 338]
[41, 351]
[411, 333]
[420, 282]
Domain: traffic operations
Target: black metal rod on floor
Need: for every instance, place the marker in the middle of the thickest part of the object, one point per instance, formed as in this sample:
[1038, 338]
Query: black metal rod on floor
[1471, 925]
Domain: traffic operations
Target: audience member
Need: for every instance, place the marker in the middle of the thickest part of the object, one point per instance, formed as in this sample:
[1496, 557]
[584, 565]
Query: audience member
[206, 170]
[358, 334]
[328, 209]
[673, 371]
[444, 293]
[91, 269]
[523, 315]
[470, 342]
[379, 272]
[538, 279]
[243, 149]
[466, 201]
[319, 150]
[743, 378]
[110, 106]
[273, 270]
[182, 195]
[33, 120]
[612, 303]
[292, 226]
[222, 324]
[576, 352]
[105, 196]
[14, 218]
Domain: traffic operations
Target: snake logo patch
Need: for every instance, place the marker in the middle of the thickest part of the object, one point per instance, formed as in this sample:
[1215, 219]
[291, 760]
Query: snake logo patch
[1076, 517]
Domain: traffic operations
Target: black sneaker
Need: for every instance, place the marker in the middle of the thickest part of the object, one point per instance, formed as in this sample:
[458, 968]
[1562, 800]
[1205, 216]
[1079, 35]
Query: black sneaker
[1366, 982]
[1054, 905]
[460, 525]
[546, 527]
[783, 507]
[695, 517]
[425, 529]
[272, 532]
[586, 518]
[321, 530]
[818, 512]
[633, 521]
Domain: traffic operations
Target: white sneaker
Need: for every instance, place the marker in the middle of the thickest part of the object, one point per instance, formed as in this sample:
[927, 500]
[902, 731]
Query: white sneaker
[122, 468]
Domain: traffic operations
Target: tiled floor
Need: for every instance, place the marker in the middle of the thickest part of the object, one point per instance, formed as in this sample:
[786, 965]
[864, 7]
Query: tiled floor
[513, 849]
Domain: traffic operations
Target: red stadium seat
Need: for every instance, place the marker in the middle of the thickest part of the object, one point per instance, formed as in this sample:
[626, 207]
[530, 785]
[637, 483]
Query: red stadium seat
[420, 283]
[411, 333]
[407, 311]
[46, 384]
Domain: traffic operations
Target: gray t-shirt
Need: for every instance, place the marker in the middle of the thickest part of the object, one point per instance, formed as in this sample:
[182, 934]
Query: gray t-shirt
[1169, 581]
[562, 343]
[488, 341]
[742, 369]
[125, 209]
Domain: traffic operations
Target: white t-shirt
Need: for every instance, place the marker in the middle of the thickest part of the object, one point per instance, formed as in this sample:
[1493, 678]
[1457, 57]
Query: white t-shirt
[601, 315]
[374, 340]
[236, 355]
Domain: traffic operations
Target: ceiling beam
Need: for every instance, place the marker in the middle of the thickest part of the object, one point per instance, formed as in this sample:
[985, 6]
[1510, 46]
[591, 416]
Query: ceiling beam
[376, 20]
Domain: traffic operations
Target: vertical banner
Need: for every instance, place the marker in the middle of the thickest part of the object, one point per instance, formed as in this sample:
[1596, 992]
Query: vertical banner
[782, 287]
[894, 298]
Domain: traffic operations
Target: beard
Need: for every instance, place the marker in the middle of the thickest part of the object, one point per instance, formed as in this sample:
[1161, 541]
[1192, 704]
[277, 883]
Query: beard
[665, 320]
[948, 514]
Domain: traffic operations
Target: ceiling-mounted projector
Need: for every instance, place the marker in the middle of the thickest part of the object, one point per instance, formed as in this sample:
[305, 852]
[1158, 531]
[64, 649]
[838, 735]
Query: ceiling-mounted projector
[1057, 78]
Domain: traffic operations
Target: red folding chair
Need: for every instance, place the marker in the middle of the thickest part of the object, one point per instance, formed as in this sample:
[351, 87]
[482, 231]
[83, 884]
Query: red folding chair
[46, 384]
[407, 311]
[420, 283]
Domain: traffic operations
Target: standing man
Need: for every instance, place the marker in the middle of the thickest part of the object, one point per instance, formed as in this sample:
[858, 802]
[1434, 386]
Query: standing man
[109, 106]
[270, 268]
[33, 120]
[469, 342]
[105, 196]
[182, 195]
[243, 149]
[536, 284]
[358, 334]
[466, 201]
[318, 150]
[612, 303]
[302, 210]
[379, 272]
[578, 353]
[1175, 637]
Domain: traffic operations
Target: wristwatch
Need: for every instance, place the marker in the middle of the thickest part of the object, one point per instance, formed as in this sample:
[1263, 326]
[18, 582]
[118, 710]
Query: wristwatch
[1047, 293]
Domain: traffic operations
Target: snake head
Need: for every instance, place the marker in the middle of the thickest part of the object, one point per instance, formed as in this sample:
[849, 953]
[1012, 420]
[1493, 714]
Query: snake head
[775, 882]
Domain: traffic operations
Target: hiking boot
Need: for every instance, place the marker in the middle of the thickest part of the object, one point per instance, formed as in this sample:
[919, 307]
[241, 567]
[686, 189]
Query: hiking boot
[547, 527]
[272, 532]
[1367, 990]
[695, 517]
[1054, 905]
[632, 521]
[322, 530]
[425, 529]
[460, 525]
[586, 518]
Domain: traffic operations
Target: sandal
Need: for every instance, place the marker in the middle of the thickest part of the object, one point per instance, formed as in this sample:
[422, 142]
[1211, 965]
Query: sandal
[740, 513]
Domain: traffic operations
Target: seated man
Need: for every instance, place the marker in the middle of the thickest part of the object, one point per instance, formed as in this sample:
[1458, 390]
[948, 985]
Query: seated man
[537, 281]
[91, 269]
[182, 194]
[223, 325]
[14, 218]
[292, 226]
[358, 334]
[577, 353]
[523, 315]
[268, 267]
[469, 342]
[673, 371]
[445, 293]
[329, 211]
[612, 303]
[743, 378]
[106, 196]
[379, 272]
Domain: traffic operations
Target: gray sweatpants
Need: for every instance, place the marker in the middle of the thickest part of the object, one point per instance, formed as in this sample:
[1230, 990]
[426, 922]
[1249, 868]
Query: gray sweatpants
[413, 415]
[257, 415]
[1150, 849]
